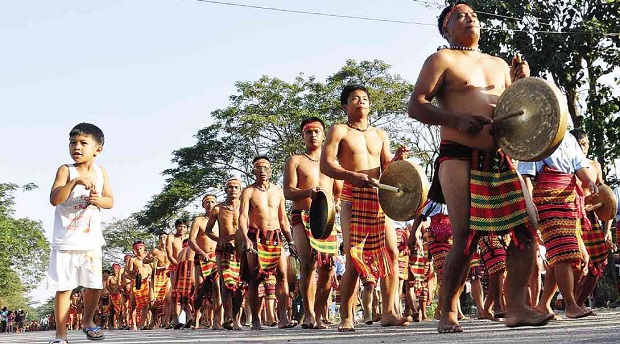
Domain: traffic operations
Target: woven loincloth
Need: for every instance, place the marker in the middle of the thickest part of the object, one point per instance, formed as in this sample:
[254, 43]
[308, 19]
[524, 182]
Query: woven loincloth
[141, 296]
[493, 253]
[475, 267]
[323, 250]
[160, 285]
[269, 247]
[419, 270]
[497, 201]
[183, 284]
[439, 248]
[117, 302]
[229, 267]
[403, 253]
[555, 197]
[269, 287]
[208, 267]
[594, 240]
[368, 251]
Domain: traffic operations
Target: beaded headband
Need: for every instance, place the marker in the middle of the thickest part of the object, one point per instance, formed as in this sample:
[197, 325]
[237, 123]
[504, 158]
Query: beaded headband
[137, 245]
[312, 125]
[448, 16]
[232, 179]
[258, 162]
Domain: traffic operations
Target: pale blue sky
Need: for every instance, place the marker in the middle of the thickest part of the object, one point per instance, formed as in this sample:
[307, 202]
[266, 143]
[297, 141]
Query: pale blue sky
[150, 72]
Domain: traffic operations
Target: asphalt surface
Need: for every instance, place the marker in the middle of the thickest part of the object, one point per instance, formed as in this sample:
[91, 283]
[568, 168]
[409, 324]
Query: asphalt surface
[601, 328]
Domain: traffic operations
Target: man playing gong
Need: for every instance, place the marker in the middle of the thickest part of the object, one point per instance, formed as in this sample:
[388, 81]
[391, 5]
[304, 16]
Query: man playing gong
[467, 84]
[357, 153]
[302, 179]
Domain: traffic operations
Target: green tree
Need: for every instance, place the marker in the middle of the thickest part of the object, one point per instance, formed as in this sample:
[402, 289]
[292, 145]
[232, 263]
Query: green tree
[577, 43]
[24, 252]
[263, 119]
[120, 236]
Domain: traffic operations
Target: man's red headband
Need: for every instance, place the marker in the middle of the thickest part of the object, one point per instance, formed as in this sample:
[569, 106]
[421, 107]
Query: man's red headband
[311, 126]
[137, 246]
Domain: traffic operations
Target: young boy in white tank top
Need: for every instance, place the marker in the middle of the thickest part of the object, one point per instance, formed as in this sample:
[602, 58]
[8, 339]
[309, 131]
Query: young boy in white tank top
[79, 193]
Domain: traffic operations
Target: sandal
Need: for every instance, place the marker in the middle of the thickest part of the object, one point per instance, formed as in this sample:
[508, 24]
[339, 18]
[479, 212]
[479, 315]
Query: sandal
[97, 334]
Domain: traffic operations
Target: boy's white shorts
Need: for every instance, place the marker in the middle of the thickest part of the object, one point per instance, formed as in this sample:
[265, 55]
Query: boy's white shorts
[69, 269]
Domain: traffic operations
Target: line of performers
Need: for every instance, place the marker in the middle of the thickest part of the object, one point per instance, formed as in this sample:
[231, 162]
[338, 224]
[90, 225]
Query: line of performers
[245, 255]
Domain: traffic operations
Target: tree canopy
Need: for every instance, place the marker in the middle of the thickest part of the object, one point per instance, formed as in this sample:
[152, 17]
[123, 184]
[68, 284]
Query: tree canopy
[24, 250]
[263, 119]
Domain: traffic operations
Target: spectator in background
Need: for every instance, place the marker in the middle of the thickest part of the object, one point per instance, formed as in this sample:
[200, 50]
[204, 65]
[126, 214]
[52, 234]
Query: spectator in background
[3, 319]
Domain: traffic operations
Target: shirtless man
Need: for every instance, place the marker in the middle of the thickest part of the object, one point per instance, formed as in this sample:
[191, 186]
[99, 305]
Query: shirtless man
[597, 239]
[104, 300]
[160, 307]
[126, 282]
[141, 285]
[224, 218]
[184, 287]
[206, 280]
[116, 297]
[467, 84]
[262, 217]
[174, 244]
[356, 152]
[302, 179]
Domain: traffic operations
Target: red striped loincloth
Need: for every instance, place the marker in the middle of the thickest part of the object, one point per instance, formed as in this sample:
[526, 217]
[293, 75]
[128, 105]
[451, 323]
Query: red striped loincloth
[493, 253]
[368, 251]
[269, 249]
[183, 284]
[594, 240]
[497, 201]
[229, 267]
[555, 196]
[323, 250]
[117, 301]
[209, 266]
[440, 228]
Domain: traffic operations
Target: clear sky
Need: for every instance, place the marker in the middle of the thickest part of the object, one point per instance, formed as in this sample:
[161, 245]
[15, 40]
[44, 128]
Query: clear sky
[149, 72]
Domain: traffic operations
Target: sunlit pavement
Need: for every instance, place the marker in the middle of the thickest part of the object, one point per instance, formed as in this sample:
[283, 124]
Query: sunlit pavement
[601, 328]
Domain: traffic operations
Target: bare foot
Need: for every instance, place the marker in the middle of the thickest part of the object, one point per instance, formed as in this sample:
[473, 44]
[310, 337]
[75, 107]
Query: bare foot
[393, 320]
[256, 326]
[368, 319]
[346, 325]
[575, 312]
[526, 317]
[320, 325]
[217, 327]
[448, 323]
[483, 314]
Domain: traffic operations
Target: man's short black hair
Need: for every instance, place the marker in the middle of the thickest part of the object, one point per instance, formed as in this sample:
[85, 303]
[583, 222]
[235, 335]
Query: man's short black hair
[348, 89]
[310, 120]
[88, 129]
[444, 13]
[579, 133]
[260, 157]
[180, 222]
[106, 271]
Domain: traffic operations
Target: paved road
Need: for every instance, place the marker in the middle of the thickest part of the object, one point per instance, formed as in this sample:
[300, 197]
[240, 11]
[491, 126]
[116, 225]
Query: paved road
[602, 328]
